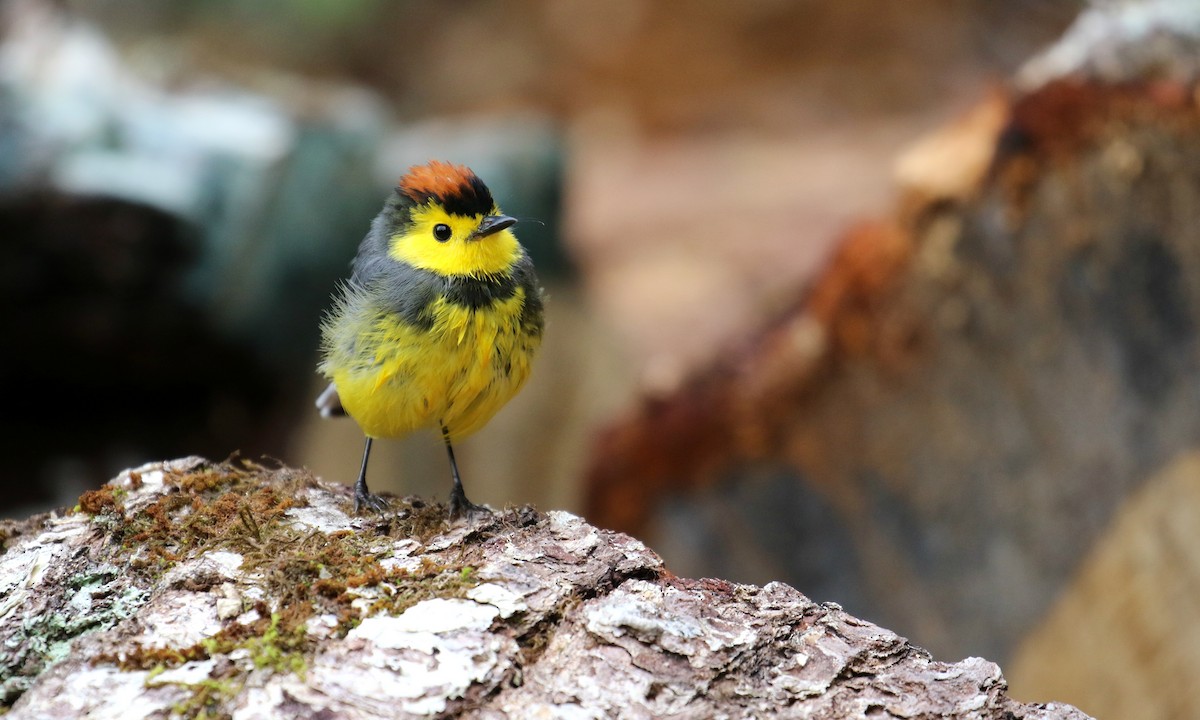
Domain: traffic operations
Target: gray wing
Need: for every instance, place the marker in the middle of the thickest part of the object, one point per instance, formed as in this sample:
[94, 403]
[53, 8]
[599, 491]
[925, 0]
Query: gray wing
[379, 286]
[531, 314]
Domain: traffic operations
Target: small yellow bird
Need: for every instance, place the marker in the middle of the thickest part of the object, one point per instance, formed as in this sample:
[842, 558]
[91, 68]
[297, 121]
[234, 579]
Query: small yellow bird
[439, 322]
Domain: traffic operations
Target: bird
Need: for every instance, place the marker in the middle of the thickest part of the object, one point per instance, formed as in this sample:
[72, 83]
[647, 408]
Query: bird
[438, 324]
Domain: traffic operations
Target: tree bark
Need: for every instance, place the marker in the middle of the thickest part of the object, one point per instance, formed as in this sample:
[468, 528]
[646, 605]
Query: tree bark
[236, 590]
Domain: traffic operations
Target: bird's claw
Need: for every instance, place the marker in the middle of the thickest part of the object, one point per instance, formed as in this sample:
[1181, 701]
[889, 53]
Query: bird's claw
[460, 506]
[369, 501]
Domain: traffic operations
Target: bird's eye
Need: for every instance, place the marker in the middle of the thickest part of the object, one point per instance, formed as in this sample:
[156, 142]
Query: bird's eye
[442, 232]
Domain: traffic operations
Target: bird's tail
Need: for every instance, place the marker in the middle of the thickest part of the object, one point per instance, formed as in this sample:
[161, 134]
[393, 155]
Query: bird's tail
[329, 404]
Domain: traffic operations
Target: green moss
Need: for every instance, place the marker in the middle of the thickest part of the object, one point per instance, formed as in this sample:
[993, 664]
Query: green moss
[241, 507]
[279, 651]
[206, 699]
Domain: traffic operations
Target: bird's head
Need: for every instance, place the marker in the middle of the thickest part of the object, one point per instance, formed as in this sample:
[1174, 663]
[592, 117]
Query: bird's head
[446, 221]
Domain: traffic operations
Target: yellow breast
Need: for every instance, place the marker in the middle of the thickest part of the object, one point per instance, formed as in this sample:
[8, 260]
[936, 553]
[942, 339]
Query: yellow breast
[458, 373]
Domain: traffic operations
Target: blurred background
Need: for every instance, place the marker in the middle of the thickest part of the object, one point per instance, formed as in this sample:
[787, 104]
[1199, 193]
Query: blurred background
[730, 195]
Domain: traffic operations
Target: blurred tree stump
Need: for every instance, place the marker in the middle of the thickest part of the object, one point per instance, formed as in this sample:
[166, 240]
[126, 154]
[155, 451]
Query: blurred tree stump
[937, 432]
[234, 590]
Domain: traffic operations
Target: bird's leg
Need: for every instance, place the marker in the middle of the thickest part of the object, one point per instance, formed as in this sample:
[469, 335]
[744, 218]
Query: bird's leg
[363, 498]
[459, 504]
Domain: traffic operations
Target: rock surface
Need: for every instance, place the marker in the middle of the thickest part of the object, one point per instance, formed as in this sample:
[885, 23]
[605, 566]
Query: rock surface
[236, 590]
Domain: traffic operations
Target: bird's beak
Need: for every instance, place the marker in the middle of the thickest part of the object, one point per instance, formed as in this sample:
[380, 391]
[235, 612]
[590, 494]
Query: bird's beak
[493, 224]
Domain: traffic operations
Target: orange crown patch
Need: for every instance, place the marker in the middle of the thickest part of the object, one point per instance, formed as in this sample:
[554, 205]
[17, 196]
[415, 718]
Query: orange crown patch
[455, 187]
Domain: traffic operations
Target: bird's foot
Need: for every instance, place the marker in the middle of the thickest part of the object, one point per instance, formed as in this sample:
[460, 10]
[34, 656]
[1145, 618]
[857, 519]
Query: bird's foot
[368, 501]
[461, 507]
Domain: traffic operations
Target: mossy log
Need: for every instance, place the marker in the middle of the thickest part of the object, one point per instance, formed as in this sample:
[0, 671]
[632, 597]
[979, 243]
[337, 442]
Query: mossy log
[199, 589]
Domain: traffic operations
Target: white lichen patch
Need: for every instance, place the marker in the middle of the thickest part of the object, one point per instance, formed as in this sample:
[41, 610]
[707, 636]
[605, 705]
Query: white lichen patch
[401, 671]
[321, 626]
[63, 528]
[421, 660]
[507, 602]
[249, 617]
[149, 477]
[188, 673]
[561, 521]
[23, 567]
[575, 538]
[454, 537]
[222, 563]
[789, 678]
[428, 617]
[178, 618]
[99, 582]
[326, 517]
[406, 564]
[98, 693]
[151, 481]
[181, 618]
[401, 555]
[641, 613]
[560, 711]
[264, 703]
[21, 570]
